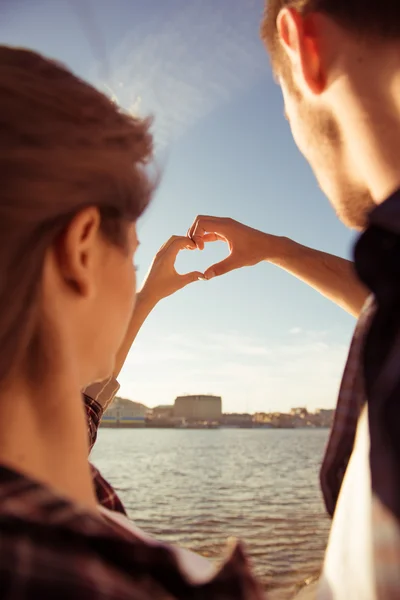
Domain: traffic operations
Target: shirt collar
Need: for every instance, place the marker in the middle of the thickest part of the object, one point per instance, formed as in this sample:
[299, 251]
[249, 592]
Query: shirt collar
[387, 214]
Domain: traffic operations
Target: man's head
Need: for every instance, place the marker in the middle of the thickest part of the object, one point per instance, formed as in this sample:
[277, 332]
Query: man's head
[324, 54]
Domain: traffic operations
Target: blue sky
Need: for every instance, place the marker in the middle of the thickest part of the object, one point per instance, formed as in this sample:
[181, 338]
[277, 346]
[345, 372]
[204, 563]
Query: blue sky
[258, 337]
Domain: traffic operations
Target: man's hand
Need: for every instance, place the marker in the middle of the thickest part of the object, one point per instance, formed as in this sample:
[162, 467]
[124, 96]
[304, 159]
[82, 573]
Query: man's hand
[162, 279]
[247, 246]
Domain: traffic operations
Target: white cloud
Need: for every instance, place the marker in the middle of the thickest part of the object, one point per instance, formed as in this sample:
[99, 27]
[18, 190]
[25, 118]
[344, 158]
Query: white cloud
[249, 374]
[182, 67]
[295, 330]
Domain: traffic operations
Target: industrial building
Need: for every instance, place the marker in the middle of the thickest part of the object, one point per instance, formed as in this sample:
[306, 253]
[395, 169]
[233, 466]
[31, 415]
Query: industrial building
[237, 420]
[124, 413]
[198, 408]
[163, 411]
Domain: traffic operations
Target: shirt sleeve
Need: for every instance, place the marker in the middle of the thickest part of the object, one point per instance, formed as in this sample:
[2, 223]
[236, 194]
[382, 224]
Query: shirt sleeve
[97, 397]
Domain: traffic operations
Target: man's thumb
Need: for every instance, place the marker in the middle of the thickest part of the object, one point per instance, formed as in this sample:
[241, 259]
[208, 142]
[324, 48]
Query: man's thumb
[220, 268]
[192, 277]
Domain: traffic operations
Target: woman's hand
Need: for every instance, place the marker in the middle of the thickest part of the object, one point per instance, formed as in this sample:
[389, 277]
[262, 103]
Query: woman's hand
[162, 279]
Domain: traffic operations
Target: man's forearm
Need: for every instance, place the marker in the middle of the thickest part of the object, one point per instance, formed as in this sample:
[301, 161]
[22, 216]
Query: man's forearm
[332, 276]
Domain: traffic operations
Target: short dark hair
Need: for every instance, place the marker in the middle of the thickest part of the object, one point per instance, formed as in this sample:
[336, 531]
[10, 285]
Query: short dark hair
[367, 17]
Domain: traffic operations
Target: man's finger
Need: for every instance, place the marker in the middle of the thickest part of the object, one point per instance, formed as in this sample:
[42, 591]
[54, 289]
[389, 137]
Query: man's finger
[207, 237]
[191, 277]
[199, 241]
[204, 224]
[221, 268]
[213, 237]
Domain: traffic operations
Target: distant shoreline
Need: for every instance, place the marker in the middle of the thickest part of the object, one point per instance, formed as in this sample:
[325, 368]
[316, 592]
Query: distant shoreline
[201, 427]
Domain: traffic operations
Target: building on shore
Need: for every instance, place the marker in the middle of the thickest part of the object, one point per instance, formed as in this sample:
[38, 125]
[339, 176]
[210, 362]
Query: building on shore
[298, 418]
[301, 417]
[302, 413]
[163, 411]
[324, 417]
[205, 411]
[124, 413]
[198, 408]
[237, 420]
[187, 412]
[283, 421]
[162, 416]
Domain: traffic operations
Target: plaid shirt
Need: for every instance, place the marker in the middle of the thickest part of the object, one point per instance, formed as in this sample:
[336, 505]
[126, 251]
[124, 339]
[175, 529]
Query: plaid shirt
[106, 495]
[51, 548]
[372, 376]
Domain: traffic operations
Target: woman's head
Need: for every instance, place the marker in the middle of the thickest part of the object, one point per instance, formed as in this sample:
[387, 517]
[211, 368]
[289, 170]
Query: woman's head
[73, 183]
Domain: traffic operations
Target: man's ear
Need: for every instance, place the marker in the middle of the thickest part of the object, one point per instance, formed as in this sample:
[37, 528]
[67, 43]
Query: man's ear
[78, 251]
[299, 39]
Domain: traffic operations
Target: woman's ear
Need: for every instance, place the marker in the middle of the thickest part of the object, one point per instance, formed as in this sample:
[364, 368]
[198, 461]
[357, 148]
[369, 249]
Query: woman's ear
[78, 251]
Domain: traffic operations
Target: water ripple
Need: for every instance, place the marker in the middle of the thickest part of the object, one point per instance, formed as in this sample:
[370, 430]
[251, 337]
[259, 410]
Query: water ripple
[196, 488]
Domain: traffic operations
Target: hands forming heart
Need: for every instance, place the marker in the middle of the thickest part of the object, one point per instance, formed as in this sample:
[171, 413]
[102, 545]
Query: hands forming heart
[247, 247]
[162, 279]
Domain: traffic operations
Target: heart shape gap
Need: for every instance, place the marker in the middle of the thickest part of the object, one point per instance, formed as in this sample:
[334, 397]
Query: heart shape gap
[200, 260]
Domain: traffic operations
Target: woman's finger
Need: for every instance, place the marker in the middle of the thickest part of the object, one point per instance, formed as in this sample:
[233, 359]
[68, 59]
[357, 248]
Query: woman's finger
[177, 243]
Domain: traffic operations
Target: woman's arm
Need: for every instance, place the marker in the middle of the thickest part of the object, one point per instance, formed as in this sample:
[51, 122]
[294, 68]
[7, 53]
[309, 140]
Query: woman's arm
[161, 281]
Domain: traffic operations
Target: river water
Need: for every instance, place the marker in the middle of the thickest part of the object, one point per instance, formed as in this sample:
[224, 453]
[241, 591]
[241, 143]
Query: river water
[196, 488]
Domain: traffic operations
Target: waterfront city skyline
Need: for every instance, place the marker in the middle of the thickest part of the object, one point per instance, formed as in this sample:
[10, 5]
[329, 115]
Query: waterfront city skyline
[206, 412]
[257, 337]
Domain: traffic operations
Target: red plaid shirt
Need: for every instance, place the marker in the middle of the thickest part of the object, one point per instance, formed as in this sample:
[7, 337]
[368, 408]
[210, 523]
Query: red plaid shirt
[106, 495]
[51, 548]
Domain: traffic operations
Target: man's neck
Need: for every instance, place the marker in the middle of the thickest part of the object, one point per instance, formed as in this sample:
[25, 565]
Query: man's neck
[369, 98]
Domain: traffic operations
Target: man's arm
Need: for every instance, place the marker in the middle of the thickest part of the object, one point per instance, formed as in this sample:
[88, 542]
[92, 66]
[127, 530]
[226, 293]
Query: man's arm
[330, 275]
